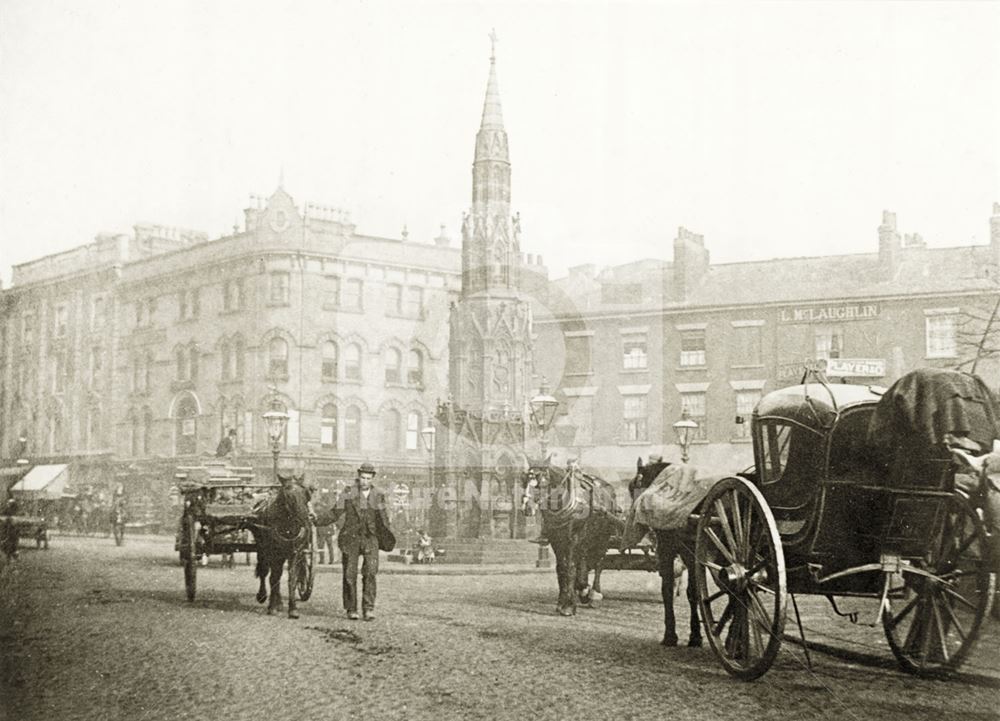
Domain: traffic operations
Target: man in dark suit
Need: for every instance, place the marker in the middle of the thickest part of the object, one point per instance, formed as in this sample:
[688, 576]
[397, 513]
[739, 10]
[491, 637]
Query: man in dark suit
[360, 510]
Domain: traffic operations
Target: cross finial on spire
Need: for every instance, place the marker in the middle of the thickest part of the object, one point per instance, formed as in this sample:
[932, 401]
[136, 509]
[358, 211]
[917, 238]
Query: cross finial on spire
[493, 45]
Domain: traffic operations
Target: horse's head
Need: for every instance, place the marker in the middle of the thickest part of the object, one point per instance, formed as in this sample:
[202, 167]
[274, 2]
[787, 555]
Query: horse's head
[536, 484]
[645, 474]
[290, 511]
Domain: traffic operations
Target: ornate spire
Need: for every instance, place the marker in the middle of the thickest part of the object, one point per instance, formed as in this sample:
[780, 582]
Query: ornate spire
[492, 113]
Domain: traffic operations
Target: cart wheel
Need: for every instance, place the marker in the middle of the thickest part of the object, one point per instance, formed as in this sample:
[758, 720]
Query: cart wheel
[307, 566]
[740, 576]
[935, 606]
[189, 554]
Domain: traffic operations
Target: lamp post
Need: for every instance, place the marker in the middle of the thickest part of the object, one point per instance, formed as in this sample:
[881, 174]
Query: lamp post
[543, 411]
[685, 428]
[428, 435]
[275, 420]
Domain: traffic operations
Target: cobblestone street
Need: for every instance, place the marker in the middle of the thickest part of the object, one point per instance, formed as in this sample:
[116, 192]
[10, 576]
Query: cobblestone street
[92, 631]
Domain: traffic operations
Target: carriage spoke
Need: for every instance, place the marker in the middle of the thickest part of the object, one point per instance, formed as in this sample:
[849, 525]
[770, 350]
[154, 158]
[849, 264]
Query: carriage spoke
[717, 595]
[727, 528]
[712, 565]
[942, 634]
[718, 544]
[759, 611]
[954, 621]
[727, 613]
[959, 597]
[895, 620]
[738, 530]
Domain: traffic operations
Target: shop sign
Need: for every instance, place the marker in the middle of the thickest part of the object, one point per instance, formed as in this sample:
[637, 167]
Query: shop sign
[856, 367]
[829, 313]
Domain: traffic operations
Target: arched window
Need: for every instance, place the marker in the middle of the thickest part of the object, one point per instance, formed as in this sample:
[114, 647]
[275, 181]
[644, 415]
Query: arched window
[352, 429]
[390, 431]
[329, 369]
[328, 426]
[186, 426]
[352, 362]
[239, 353]
[413, 431]
[393, 360]
[226, 360]
[278, 357]
[415, 368]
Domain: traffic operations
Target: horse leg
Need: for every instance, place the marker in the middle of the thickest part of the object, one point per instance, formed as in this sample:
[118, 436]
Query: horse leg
[276, 570]
[292, 579]
[561, 570]
[261, 573]
[572, 551]
[665, 552]
[694, 640]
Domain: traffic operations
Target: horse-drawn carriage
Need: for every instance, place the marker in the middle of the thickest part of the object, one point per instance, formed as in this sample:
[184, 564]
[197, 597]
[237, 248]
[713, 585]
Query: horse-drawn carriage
[224, 512]
[825, 512]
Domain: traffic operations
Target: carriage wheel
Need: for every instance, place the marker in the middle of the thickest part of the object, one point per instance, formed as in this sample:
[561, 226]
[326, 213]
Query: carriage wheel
[935, 606]
[740, 576]
[306, 560]
[189, 554]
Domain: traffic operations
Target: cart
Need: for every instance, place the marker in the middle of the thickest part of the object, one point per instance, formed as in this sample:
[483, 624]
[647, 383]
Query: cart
[219, 512]
[37, 495]
[817, 515]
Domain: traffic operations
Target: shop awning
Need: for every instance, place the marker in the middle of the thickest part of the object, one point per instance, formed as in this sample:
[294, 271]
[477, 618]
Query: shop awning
[43, 482]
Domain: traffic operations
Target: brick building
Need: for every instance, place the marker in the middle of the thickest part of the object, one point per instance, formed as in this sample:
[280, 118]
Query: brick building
[632, 347]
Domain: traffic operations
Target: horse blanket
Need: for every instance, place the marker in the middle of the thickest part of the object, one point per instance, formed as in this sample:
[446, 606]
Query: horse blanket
[667, 502]
[587, 495]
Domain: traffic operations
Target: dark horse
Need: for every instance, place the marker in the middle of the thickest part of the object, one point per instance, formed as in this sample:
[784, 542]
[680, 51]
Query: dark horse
[669, 545]
[281, 532]
[579, 516]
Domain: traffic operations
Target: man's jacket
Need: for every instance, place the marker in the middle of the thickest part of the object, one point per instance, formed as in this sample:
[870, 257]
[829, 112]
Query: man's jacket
[358, 517]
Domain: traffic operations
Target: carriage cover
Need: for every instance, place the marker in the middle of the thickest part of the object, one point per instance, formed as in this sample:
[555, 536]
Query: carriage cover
[668, 501]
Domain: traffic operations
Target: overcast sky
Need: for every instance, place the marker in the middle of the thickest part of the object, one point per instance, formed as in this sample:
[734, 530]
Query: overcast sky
[773, 129]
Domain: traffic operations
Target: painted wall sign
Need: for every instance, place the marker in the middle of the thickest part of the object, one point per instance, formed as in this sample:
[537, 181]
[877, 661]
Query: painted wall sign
[856, 367]
[829, 313]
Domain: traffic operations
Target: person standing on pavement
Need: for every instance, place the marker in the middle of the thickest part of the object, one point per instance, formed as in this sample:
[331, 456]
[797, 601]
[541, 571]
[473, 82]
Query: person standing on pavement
[360, 512]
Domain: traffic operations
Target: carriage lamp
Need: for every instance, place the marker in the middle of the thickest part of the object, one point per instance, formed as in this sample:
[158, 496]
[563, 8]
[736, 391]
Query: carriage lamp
[685, 428]
[275, 419]
[543, 411]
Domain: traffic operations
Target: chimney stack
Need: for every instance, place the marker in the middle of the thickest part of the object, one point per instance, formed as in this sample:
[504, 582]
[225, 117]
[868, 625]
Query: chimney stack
[888, 246]
[690, 262]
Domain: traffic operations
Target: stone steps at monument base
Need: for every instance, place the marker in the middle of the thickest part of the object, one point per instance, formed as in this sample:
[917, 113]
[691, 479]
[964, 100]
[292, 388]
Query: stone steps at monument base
[487, 551]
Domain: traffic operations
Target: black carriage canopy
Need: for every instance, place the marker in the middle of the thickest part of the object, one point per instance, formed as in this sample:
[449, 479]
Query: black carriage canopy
[925, 405]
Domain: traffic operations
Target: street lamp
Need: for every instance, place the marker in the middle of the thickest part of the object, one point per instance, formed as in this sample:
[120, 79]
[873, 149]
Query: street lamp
[428, 435]
[543, 411]
[685, 428]
[275, 419]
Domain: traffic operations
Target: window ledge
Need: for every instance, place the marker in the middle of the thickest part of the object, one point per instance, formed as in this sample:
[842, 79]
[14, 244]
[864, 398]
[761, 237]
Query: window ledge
[740, 440]
[940, 357]
[754, 365]
[579, 374]
[343, 309]
[633, 443]
[632, 371]
[692, 368]
[278, 304]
